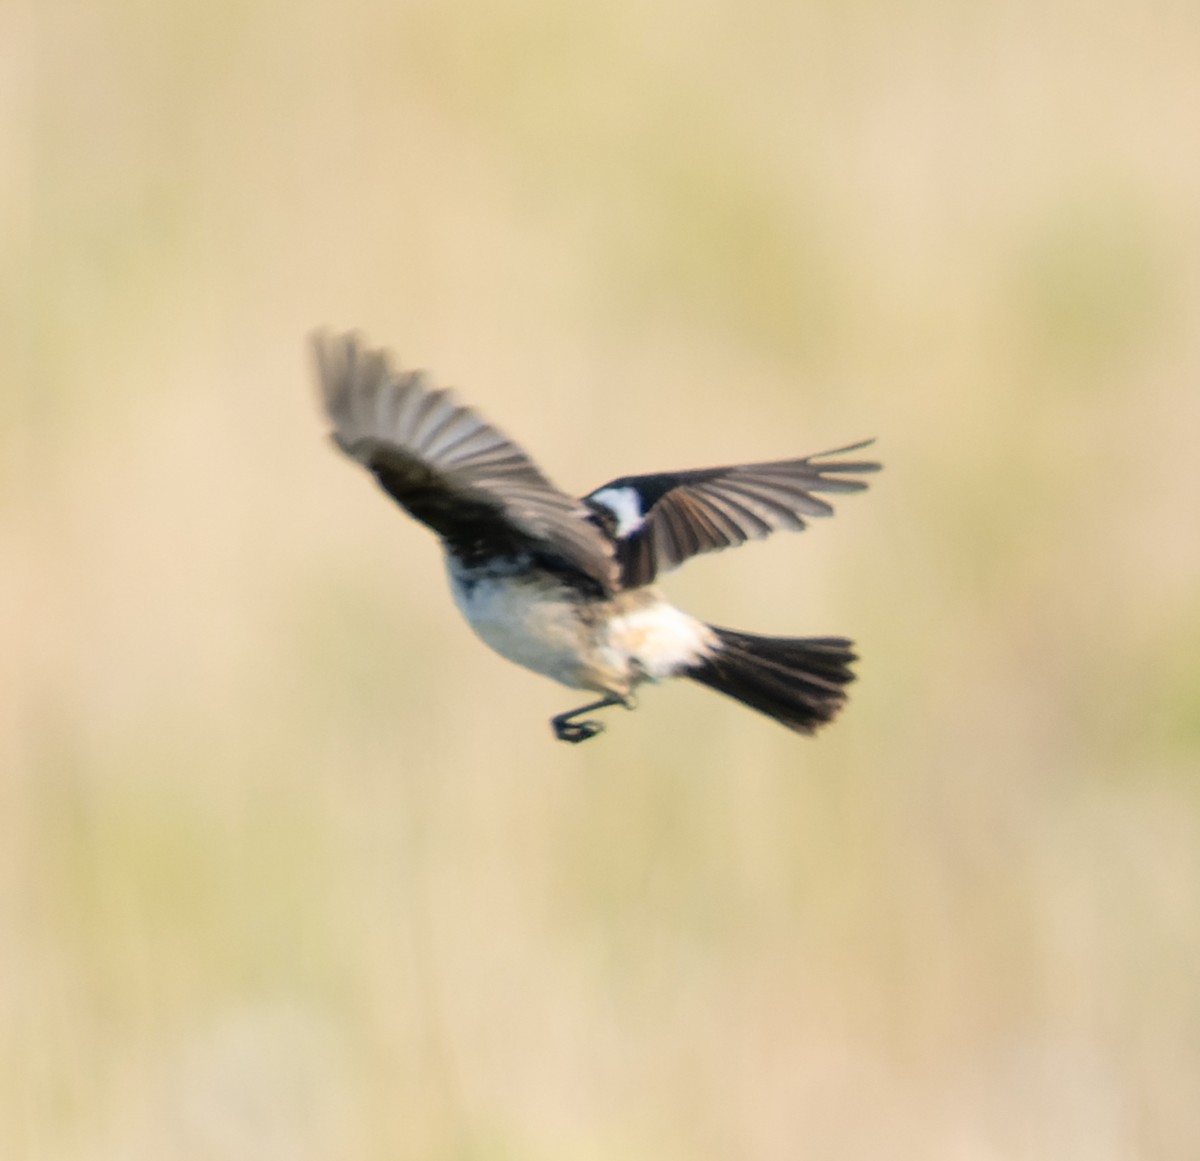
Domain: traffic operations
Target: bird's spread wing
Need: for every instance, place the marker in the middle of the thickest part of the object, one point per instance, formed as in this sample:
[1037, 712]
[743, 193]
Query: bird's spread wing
[659, 521]
[449, 468]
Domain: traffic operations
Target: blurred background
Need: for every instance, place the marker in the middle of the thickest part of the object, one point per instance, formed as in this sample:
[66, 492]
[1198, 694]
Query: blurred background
[290, 864]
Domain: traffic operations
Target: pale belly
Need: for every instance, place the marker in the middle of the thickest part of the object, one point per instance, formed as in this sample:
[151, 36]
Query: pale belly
[609, 646]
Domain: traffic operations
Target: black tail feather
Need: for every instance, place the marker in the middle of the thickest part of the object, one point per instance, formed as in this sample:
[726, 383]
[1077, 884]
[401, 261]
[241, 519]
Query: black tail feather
[798, 681]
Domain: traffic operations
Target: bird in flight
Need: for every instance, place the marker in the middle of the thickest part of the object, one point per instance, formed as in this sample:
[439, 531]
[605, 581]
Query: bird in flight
[565, 586]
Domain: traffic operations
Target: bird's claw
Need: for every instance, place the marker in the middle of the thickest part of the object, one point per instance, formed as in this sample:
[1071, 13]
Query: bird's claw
[577, 731]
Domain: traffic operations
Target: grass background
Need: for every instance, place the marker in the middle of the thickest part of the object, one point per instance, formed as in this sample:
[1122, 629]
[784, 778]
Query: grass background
[290, 866]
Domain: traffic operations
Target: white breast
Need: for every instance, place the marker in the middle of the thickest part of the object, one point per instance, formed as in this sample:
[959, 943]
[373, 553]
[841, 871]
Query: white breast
[606, 645]
[533, 623]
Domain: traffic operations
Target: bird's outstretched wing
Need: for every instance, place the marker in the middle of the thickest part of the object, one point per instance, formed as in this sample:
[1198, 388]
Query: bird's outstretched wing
[659, 521]
[450, 469]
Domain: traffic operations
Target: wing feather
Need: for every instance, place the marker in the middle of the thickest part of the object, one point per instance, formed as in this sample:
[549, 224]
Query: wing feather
[677, 515]
[450, 468]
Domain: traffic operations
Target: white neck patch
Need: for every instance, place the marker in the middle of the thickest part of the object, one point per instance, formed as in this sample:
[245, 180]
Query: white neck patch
[625, 504]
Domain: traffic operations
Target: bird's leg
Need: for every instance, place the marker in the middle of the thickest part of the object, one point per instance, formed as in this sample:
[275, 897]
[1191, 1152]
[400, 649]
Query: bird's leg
[565, 730]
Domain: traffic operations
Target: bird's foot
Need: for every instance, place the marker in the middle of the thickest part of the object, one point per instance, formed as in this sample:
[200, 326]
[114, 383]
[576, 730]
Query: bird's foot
[577, 731]
[567, 730]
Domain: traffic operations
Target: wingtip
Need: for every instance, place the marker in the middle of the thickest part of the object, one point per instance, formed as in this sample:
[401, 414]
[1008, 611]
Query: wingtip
[324, 342]
[850, 447]
[822, 462]
[346, 370]
[332, 353]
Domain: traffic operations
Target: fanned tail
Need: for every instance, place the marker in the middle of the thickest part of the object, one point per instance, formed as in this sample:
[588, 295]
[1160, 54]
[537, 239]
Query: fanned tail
[798, 681]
